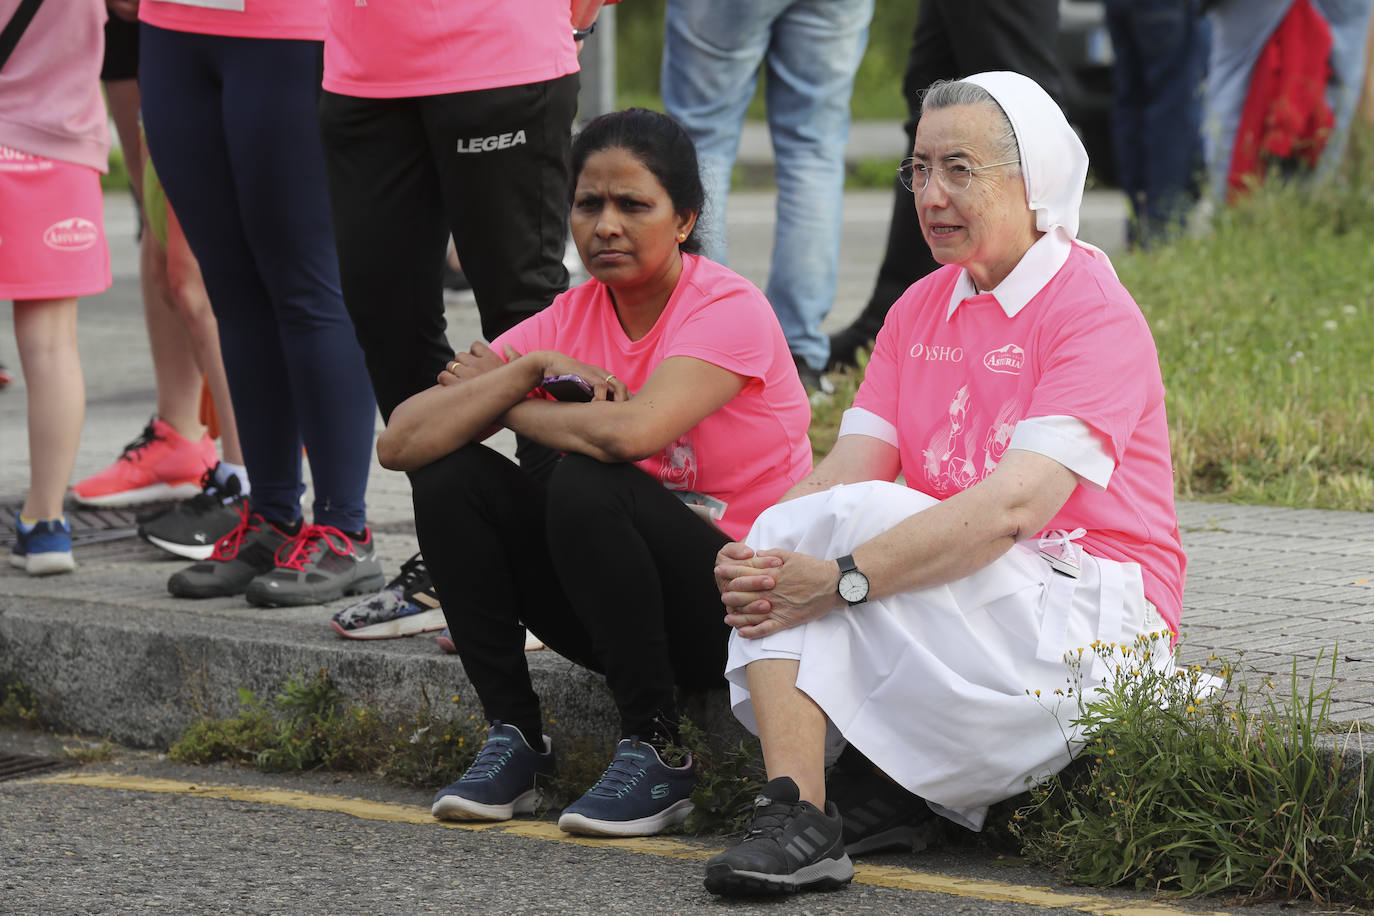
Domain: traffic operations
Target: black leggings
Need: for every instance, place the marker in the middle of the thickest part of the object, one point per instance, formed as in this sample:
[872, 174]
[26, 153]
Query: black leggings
[599, 561]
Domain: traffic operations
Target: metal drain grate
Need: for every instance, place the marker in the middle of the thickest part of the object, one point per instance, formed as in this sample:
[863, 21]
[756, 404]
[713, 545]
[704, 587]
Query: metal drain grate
[89, 526]
[13, 766]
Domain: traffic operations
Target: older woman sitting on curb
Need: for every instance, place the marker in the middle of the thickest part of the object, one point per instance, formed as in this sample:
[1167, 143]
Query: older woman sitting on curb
[1017, 390]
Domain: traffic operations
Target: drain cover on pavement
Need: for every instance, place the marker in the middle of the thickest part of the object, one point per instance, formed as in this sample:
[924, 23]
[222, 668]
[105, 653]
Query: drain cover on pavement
[89, 526]
[12, 766]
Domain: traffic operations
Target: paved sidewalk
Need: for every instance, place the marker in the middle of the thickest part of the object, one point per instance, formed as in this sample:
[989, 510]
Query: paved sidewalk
[110, 652]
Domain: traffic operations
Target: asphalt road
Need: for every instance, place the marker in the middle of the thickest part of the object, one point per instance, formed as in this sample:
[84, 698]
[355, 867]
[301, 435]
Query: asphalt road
[138, 834]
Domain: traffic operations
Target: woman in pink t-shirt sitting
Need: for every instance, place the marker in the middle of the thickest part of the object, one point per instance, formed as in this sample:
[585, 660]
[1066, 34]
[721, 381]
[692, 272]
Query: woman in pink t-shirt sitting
[921, 633]
[667, 383]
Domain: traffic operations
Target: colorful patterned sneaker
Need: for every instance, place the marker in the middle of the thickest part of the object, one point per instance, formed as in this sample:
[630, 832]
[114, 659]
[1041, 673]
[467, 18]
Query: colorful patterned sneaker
[502, 782]
[318, 565]
[638, 795]
[190, 529]
[445, 641]
[159, 464]
[45, 549]
[237, 559]
[408, 605]
[878, 813]
[790, 846]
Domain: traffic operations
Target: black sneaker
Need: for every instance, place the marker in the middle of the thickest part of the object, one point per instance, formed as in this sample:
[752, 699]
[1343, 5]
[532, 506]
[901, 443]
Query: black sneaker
[239, 557]
[320, 564]
[191, 528]
[790, 846]
[818, 387]
[878, 813]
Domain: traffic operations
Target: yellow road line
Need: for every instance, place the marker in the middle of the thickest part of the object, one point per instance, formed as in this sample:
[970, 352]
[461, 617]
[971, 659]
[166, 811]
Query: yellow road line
[876, 875]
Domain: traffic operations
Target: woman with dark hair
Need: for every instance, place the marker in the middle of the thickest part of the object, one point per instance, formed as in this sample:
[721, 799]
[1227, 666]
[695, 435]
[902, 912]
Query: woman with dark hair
[667, 383]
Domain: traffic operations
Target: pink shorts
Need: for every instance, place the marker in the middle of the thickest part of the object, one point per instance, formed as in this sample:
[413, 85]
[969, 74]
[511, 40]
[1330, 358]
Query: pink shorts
[52, 229]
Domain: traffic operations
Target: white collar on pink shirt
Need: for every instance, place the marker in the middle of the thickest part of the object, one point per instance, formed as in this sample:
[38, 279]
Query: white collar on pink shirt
[1036, 268]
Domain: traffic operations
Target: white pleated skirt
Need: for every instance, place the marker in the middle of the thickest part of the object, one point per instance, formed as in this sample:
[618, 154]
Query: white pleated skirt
[938, 687]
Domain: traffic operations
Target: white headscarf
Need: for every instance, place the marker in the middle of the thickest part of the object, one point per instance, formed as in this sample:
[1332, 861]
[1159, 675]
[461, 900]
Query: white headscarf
[1053, 161]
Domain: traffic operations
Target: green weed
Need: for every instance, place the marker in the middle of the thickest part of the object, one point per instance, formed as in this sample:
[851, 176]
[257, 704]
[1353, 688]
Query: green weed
[18, 706]
[1192, 784]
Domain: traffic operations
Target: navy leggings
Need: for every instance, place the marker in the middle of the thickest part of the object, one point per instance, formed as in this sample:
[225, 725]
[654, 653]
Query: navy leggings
[231, 127]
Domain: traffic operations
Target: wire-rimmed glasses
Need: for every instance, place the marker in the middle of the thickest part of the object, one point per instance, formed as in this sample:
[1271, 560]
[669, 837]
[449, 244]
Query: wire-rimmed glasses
[956, 176]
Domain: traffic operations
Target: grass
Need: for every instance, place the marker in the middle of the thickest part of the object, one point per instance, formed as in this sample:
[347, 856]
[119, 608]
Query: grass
[1191, 785]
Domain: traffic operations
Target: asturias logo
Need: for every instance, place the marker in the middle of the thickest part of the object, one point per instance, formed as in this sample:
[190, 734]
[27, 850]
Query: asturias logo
[75, 234]
[1007, 360]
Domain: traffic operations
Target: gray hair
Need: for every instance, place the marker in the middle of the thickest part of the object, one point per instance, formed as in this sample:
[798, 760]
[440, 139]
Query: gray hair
[953, 93]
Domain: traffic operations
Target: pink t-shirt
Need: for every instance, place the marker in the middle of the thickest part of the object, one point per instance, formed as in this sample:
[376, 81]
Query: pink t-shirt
[955, 388]
[50, 99]
[744, 456]
[394, 50]
[297, 19]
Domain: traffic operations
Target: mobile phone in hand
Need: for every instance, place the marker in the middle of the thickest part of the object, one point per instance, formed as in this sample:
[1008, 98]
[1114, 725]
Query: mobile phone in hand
[567, 388]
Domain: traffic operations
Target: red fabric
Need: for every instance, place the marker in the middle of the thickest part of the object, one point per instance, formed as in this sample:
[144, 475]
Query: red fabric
[1286, 115]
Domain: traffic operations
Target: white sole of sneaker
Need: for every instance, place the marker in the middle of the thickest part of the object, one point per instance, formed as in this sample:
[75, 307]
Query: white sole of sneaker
[158, 491]
[645, 826]
[825, 875]
[457, 808]
[396, 627]
[45, 564]
[189, 551]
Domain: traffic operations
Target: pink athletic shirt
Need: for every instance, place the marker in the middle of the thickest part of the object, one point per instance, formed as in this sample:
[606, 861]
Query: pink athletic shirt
[745, 455]
[955, 386]
[385, 49]
[298, 19]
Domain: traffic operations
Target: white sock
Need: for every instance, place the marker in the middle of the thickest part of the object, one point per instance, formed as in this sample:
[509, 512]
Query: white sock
[224, 470]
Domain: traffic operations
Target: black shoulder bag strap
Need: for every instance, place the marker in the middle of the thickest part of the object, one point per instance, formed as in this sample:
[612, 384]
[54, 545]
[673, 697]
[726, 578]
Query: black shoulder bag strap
[17, 24]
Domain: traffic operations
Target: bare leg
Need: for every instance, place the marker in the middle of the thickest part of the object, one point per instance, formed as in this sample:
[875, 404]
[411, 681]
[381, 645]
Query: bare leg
[123, 99]
[45, 331]
[174, 361]
[791, 727]
[189, 298]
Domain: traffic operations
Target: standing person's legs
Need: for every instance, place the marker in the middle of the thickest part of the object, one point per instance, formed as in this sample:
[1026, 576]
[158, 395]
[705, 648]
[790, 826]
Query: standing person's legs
[636, 564]
[815, 51]
[1349, 21]
[712, 51]
[185, 124]
[45, 332]
[390, 232]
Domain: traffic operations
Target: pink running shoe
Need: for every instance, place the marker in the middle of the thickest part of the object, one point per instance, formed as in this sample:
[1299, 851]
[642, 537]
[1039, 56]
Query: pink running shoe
[159, 464]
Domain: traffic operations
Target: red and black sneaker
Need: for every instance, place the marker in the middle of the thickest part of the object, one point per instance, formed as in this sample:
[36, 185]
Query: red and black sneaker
[239, 557]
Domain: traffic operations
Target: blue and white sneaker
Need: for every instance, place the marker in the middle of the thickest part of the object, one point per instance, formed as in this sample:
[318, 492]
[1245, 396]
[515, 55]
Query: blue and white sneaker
[45, 549]
[638, 795]
[408, 605]
[503, 781]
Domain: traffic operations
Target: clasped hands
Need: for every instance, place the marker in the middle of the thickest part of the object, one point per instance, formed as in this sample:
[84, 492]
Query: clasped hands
[768, 591]
[481, 358]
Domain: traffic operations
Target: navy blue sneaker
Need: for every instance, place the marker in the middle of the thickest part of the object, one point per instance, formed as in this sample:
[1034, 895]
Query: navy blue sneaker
[503, 781]
[45, 550]
[638, 795]
[791, 846]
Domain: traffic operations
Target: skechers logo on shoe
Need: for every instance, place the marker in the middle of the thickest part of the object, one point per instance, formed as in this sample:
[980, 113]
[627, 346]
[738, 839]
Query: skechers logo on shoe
[659, 791]
[494, 142]
[75, 234]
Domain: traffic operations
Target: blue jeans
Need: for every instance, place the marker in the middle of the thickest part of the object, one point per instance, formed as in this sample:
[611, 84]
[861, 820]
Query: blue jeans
[1161, 56]
[1240, 29]
[713, 50]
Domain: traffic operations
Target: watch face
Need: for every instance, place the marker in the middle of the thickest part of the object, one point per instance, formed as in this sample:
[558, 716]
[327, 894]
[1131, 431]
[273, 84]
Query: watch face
[853, 586]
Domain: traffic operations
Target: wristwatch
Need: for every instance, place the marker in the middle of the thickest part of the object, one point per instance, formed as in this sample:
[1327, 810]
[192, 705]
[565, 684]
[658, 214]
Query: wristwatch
[853, 587]
[584, 34]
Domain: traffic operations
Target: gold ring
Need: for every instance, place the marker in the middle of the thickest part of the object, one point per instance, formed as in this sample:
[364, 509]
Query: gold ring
[452, 367]
[609, 377]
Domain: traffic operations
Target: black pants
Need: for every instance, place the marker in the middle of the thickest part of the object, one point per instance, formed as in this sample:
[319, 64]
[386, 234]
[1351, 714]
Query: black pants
[490, 167]
[954, 39]
[599, 561]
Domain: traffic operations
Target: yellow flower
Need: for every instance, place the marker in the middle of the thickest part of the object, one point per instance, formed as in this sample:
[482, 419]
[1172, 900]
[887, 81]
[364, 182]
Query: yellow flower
[1111, 752]
[1192, 709]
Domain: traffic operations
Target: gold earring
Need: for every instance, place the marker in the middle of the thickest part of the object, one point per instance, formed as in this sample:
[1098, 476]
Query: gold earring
[682, 236]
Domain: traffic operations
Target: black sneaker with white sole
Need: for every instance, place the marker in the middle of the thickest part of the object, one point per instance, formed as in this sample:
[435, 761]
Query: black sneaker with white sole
[191, 528]
[791, 845]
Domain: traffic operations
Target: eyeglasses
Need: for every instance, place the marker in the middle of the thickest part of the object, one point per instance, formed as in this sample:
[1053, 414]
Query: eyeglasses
[956, 176]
